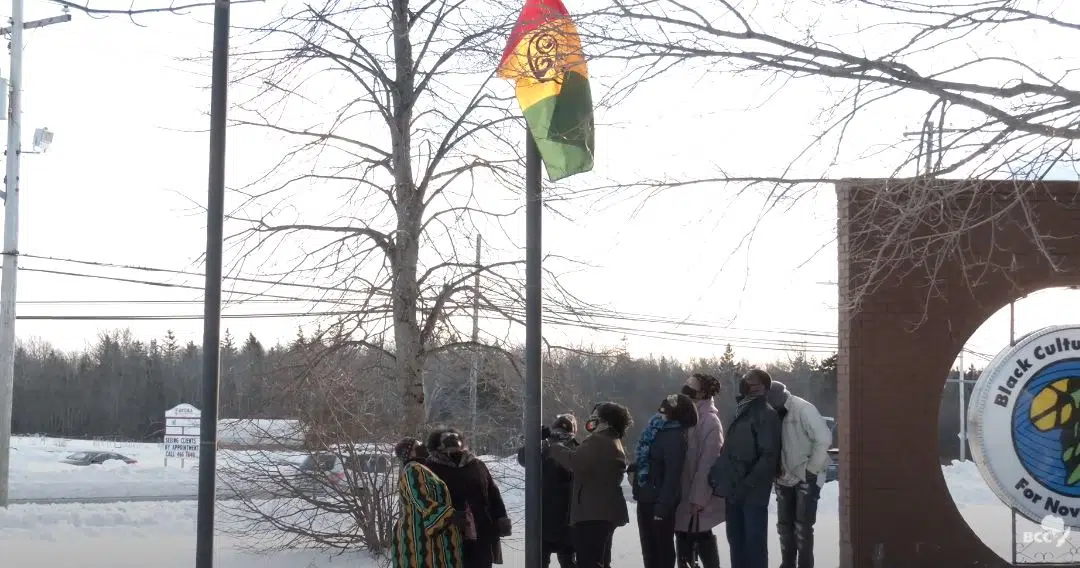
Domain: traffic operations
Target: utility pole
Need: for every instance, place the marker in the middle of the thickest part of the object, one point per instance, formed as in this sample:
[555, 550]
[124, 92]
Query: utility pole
[475, 371]
[11, 234]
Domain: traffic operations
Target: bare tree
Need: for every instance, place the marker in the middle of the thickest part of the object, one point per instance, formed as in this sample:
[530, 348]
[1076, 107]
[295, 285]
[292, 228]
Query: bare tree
[400, 145]
[989, 107]
[325, 480]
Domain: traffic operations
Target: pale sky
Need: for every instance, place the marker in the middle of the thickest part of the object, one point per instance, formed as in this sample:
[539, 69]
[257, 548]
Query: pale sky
[121, 182]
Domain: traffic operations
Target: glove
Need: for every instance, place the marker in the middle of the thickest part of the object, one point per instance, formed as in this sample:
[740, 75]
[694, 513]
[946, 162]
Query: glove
[545, 445]
[545, 432]
[505, 527]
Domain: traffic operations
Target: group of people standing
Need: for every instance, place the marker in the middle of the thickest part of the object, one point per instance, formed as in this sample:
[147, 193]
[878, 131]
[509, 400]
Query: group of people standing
[685, 477]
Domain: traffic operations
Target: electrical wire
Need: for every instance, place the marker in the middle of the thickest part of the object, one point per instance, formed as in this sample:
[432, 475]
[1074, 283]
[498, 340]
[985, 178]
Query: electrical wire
[556, 317]
[626, 316]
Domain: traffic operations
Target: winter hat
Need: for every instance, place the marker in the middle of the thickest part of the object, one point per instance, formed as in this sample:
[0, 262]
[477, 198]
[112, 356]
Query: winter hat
[404, 449]
[565, 422]
[778, 395]
[680, 408]
[703, 384]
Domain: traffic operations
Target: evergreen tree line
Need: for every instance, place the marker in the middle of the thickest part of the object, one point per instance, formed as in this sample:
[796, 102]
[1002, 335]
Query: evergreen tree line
[120, 387]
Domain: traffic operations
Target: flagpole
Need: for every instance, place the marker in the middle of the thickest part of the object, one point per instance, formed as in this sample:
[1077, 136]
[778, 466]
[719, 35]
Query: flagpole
[533, 384]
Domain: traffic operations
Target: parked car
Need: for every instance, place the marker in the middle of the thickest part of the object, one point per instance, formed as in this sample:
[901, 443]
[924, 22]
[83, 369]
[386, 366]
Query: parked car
[95, 458]
[833, 470]
[324, 472]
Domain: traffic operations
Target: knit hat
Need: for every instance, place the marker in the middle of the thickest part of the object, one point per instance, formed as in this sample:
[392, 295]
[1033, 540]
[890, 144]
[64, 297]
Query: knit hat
[680, 408]
[778, 395]
[565, 422]
[704, 384]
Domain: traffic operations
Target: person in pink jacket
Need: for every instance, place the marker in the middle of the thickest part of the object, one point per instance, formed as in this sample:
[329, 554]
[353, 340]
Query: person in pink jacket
[699, 510]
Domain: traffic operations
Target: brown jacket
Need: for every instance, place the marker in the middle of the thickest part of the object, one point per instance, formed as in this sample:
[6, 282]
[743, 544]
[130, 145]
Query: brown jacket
[598, 466]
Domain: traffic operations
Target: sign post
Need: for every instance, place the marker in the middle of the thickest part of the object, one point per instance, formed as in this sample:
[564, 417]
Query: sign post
[182, 433]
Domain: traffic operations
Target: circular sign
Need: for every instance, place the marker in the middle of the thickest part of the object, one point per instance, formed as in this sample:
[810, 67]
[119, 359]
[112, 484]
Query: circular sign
[1024, 425]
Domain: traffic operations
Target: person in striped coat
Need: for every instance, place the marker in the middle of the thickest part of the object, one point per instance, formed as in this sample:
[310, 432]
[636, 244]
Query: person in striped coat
[428, 532]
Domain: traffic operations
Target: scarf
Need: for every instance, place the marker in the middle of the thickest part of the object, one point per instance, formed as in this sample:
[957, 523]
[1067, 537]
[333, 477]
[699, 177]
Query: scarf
[656, 424]
[743, 402]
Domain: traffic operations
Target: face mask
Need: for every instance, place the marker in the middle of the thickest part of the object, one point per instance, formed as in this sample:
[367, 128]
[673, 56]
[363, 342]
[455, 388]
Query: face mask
[689, 392]
[591, 425]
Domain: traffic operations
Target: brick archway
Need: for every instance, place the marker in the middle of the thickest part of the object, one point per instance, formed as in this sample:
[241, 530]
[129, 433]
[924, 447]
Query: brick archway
[895, 509]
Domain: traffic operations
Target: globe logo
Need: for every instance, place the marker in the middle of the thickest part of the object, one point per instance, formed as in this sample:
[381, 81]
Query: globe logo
[1046, 427]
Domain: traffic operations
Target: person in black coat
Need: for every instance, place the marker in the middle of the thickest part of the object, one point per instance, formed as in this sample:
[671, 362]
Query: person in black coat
[558, 483]
[656, 478]
[472, 490]
[745, 469]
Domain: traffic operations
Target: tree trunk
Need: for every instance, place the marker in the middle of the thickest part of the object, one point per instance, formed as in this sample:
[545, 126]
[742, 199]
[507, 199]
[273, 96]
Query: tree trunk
[405, 243]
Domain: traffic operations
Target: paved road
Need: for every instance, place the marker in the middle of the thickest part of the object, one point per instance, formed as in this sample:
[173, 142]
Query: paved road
[101, 500]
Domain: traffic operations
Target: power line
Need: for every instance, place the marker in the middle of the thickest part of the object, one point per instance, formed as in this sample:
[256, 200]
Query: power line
[636, 316]
[551, 317]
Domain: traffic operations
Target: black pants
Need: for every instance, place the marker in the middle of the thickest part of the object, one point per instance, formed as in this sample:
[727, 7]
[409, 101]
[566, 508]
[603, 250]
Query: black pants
[657, 537]
[563, 551]
[477, 554]
[592, 543]
[697, 549]
[748, 531]
[796, 513]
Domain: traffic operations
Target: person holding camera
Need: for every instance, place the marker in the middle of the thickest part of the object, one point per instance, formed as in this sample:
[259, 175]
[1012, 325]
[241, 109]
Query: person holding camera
[597, 505]
[557, 484]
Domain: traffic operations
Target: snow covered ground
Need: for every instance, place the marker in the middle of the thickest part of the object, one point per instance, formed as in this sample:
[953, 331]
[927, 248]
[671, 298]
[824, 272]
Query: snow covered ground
[36, 471]
[134, 535]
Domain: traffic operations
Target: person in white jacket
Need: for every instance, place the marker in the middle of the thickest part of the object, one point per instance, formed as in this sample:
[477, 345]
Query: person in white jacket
[805, 440]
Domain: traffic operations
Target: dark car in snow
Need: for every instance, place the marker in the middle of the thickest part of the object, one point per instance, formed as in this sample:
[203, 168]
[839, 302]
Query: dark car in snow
[832, 471]
[95, 458]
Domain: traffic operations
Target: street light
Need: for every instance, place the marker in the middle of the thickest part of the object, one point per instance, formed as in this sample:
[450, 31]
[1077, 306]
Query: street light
[42, 139]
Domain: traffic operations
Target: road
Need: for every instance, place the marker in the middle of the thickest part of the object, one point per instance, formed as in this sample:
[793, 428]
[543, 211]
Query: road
[104, 500]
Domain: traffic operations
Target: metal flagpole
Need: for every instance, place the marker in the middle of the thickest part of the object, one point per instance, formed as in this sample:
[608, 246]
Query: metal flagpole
[533, 389]
[215, 220]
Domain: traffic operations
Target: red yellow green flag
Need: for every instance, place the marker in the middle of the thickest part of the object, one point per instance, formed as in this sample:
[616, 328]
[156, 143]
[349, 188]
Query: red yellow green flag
[544, 58]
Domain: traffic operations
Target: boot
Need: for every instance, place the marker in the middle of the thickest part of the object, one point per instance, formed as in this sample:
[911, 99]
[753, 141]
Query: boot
[708, 550]
[684, 550]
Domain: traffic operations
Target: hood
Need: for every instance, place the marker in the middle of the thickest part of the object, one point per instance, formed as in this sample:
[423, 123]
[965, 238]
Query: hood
[777, 395]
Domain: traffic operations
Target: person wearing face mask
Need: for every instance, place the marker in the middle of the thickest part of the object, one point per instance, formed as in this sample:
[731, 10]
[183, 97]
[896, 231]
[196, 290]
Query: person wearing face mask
[699, 510]
[745, 469]
[557, 484]
[474, 492]
[428, 531]
[597, 505]
[805, 439]
[656, 478]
